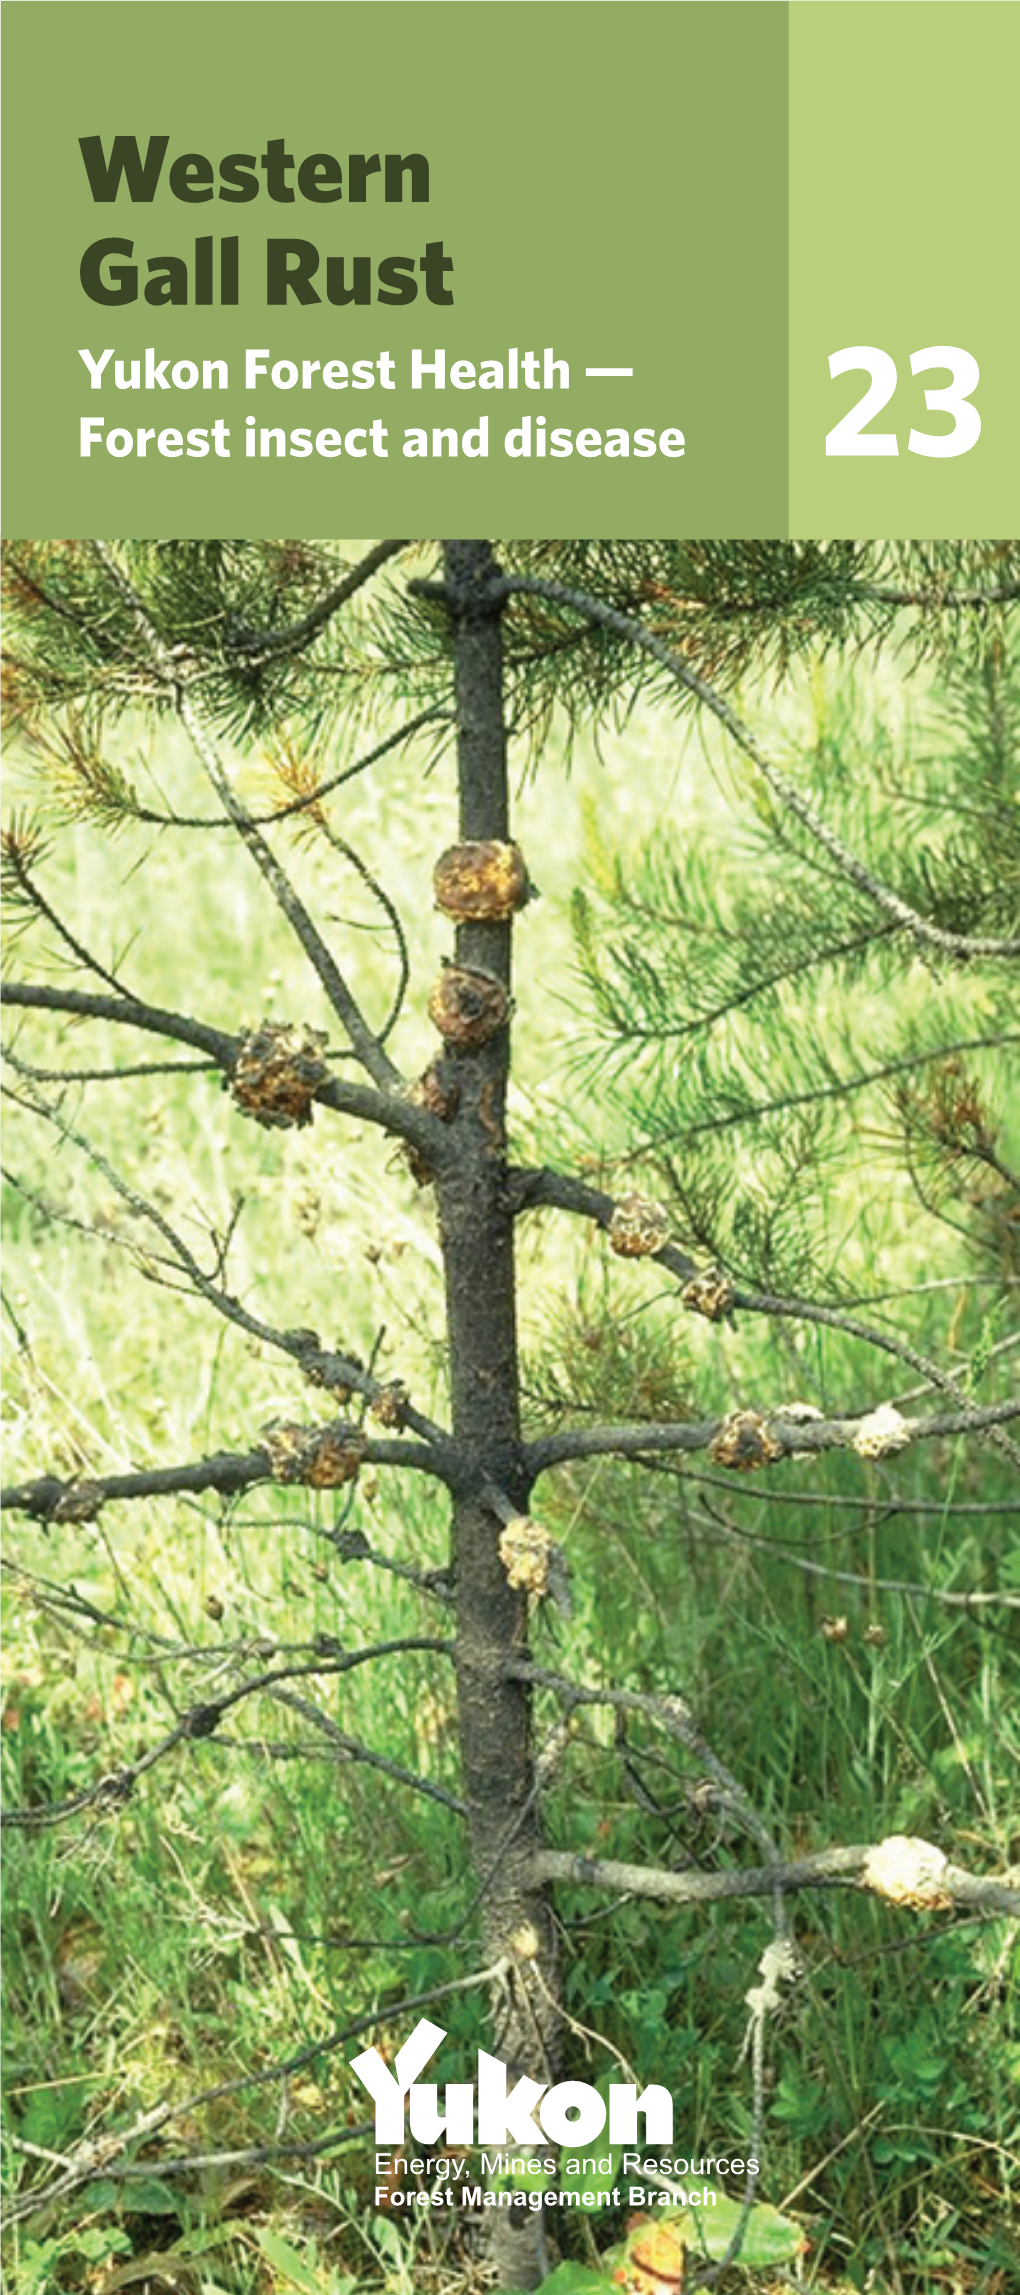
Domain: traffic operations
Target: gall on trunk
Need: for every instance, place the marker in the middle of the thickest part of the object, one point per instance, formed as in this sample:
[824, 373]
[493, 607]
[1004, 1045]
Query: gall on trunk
[484, 881]
[468, 1006]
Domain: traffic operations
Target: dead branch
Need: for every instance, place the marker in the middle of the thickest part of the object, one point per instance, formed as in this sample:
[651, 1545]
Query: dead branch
[202, 1721]
[351, 1749]
[172, 675]
[828, 1869]
[226, 1472]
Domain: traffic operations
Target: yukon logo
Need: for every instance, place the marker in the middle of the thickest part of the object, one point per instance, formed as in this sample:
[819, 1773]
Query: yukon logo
[485, 2112]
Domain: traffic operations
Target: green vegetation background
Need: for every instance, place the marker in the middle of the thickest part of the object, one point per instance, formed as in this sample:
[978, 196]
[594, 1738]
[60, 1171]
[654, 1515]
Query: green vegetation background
[199, 1935]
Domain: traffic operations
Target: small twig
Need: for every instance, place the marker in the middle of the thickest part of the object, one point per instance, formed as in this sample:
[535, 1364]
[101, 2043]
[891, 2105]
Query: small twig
[671, 1714]
[148, 815]
[883, 1508]
[727, 1533]
[14, 861]
[853, 2136]
[353, 1750]
[62, 1076]
[391, 911]
[330, 1368]
[841, 1087]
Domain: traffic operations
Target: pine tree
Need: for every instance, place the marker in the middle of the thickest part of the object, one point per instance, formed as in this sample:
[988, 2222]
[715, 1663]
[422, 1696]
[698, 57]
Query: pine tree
[707, 1131]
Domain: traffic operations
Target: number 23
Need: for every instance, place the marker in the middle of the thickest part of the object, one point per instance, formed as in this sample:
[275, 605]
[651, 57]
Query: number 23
[850, 436]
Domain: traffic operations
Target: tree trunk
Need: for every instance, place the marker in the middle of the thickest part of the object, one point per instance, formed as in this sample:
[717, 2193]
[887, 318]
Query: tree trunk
[477, 1235]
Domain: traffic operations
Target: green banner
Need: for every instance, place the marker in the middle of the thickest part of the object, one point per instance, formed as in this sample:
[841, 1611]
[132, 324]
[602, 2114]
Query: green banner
[391, 252]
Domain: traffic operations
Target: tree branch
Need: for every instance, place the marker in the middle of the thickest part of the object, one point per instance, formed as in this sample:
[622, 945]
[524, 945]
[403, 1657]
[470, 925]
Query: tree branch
[61, 1076]
[401, 1116]
[835, 1319]
[541, 1188]
[226, 1472]
[532, 1189]
[1003, 594]
[265, 645]
[155, 1019]
[789, 1436]
[829, 1868]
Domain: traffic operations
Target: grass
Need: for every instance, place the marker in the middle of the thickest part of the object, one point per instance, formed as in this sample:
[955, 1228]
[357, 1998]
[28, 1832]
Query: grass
[211, 1929]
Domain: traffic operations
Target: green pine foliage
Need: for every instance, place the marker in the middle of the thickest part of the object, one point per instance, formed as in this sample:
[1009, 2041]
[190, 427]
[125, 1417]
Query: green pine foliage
[741, 996]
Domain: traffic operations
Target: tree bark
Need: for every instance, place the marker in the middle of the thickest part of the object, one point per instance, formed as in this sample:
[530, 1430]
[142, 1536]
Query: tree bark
[477, 1237]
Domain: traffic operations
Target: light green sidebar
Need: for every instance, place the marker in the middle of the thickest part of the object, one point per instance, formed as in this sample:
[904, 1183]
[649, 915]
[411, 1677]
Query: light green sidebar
[904, 238]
